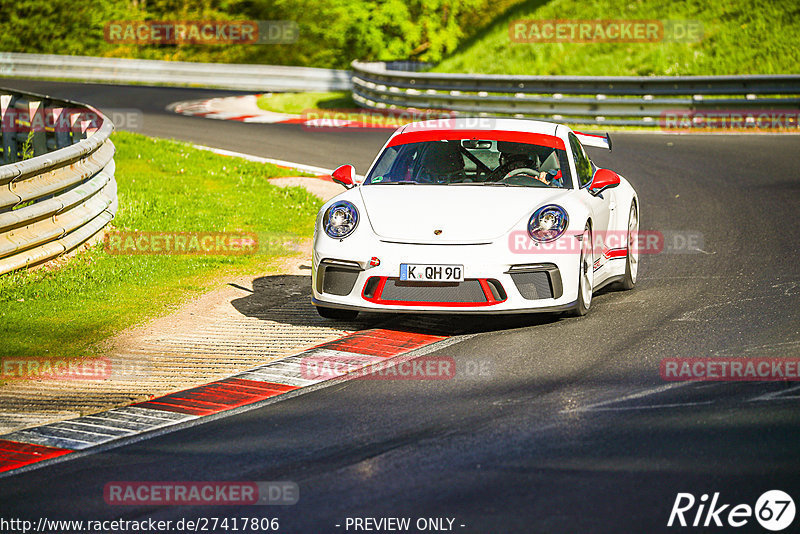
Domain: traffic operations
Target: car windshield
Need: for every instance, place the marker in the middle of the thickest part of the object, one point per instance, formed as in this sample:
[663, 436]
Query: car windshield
[472, 161]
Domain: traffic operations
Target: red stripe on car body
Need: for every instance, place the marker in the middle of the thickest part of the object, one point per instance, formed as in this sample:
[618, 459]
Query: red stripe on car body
[616, 253]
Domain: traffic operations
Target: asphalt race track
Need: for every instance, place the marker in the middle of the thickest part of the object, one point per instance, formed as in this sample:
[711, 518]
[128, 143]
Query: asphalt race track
[568, 426]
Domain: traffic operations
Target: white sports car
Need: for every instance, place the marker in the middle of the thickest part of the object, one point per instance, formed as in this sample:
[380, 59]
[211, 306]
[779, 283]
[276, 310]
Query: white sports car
[451, 219]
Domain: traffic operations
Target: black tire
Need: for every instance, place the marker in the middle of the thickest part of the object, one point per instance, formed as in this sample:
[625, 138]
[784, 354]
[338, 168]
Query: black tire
[631, 273]
[582, 305]
[336, 314]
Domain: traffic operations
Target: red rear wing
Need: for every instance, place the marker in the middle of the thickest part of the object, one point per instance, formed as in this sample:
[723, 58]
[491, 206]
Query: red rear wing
[598, 141]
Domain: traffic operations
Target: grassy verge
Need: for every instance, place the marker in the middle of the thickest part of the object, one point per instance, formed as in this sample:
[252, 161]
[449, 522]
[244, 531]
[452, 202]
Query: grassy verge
[297, 103]
[328, 106]
[739, 37]
[164, 186]
[337, 106]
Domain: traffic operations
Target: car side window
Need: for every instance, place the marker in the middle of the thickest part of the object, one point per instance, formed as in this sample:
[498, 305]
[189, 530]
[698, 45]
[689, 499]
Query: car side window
[582, 163]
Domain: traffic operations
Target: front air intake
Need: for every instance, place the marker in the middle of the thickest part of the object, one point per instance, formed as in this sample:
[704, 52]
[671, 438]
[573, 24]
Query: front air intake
[470, 292]
[537, 281]
[337, 278]
[466, 291]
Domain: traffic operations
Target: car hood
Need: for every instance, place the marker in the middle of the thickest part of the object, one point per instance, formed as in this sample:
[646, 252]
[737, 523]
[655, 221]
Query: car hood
[463, 213]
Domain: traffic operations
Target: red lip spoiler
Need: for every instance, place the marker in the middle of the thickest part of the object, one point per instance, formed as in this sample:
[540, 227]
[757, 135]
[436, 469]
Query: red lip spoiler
[598, 141]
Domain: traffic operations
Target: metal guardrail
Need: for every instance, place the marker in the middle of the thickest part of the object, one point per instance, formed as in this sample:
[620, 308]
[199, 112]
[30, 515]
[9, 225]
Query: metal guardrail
[57, 186]
[613, 100]
[150, 71]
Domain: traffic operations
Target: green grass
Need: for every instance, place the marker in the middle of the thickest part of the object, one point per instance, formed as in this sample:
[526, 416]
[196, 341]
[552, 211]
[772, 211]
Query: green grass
[336, 105]
[740, 37]
[297, 103]
[163, 186]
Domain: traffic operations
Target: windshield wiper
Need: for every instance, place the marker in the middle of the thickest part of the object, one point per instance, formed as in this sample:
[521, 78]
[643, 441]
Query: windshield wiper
[401, 182]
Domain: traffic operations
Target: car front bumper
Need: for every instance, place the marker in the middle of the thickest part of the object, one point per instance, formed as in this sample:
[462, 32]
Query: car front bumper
[497, 280]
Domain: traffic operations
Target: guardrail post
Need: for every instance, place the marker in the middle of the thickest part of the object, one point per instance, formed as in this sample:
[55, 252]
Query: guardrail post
[86, 129]
[75, 127]
[37, 126]
[8, 120]
[61, 126]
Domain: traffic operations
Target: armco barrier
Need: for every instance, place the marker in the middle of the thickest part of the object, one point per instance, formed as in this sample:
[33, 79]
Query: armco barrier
[612, 100]
[57, 186]
[601, 100]
[150, 71]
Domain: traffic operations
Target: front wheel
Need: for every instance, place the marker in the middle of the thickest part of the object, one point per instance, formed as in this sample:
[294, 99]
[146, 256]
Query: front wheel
[337, 314]
[585, 275]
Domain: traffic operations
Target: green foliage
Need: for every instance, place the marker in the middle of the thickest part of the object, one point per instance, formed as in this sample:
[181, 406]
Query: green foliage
[58, 27]
[740, 37]
[297, 103]
[26, 151]
[332, 32]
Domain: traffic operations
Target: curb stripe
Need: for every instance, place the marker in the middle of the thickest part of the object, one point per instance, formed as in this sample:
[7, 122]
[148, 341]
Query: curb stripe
[306, 364]
[217, 396]
[337, 358]
[381, 342]
[204, 108]
[54, 435]
[14, 454]
[275, 377]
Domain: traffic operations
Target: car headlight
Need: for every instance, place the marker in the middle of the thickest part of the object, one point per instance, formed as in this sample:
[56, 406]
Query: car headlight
[340, 219]
[548, 223]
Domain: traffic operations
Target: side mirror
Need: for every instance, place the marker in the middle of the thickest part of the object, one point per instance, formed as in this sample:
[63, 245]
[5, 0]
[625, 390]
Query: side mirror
[345, 175]
[603, 179]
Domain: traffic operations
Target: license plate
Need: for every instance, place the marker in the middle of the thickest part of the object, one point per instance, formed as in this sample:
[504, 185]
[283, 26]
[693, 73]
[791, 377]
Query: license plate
[420, 272]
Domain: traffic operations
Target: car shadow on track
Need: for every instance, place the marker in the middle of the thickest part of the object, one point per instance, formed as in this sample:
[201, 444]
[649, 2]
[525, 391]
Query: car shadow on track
[287, 299]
